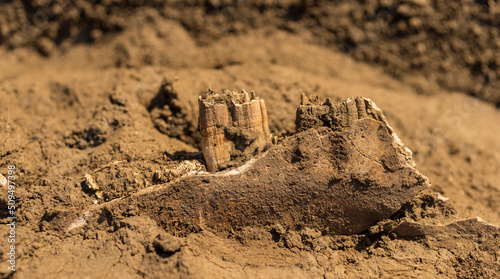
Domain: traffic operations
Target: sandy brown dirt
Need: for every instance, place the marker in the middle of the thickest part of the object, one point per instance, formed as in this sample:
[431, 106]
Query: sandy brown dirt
[105, 108]
[425, 42]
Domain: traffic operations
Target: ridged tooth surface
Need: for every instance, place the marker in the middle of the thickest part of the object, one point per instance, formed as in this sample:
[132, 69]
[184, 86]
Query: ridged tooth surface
[215, 145]
[340, 116]
[233, 128]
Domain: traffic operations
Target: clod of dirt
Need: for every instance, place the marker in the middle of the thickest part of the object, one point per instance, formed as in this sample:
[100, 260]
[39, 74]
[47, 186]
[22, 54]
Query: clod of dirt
[430, 214]
[63, 95]
[121, 56]
[234, 128]
[172, 117]
[91, 137]
[106, 119]
[45, 46]
[427, 208]
[56, 219]
[166, 244]
[335, 182]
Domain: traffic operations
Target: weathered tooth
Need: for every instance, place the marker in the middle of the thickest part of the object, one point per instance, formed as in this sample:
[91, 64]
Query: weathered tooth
[232, 132]
[328, 102]
[252, 95]
[215, 146]
[341, 116]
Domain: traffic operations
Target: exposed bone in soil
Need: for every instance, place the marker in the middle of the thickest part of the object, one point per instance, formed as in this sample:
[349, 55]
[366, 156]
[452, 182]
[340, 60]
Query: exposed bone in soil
[340, 181]
[314, 114]
[95, 104]
[233, 126]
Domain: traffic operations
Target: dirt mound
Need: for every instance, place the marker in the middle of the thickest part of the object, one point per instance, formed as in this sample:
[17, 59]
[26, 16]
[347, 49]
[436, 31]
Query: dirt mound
[172, 117]
[453, 44]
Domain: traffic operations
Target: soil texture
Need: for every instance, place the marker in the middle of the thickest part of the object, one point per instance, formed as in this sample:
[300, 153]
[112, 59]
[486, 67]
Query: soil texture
[99, 114]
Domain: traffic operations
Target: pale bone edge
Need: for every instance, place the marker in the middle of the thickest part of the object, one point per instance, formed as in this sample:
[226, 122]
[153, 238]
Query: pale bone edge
[415, 229]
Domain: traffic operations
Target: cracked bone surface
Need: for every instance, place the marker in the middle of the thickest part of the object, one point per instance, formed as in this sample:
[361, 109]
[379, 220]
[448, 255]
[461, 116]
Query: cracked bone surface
[233, 127]
[336, 179]
[338, 117]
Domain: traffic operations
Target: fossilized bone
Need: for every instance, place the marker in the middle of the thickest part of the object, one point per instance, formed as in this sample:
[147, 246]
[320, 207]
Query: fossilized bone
[339, 179]
[315, 114]
[233, 126]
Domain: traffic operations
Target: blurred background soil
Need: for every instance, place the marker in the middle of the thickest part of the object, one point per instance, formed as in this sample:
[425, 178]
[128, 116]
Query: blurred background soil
[109, 88]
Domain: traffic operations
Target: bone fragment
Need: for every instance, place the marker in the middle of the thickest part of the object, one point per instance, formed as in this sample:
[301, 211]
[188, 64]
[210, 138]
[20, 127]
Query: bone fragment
[234, 127]
[340, 116]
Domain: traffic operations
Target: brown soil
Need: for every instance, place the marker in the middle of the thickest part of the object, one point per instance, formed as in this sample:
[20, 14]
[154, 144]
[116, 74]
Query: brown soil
[452, 44]
[109, 90]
